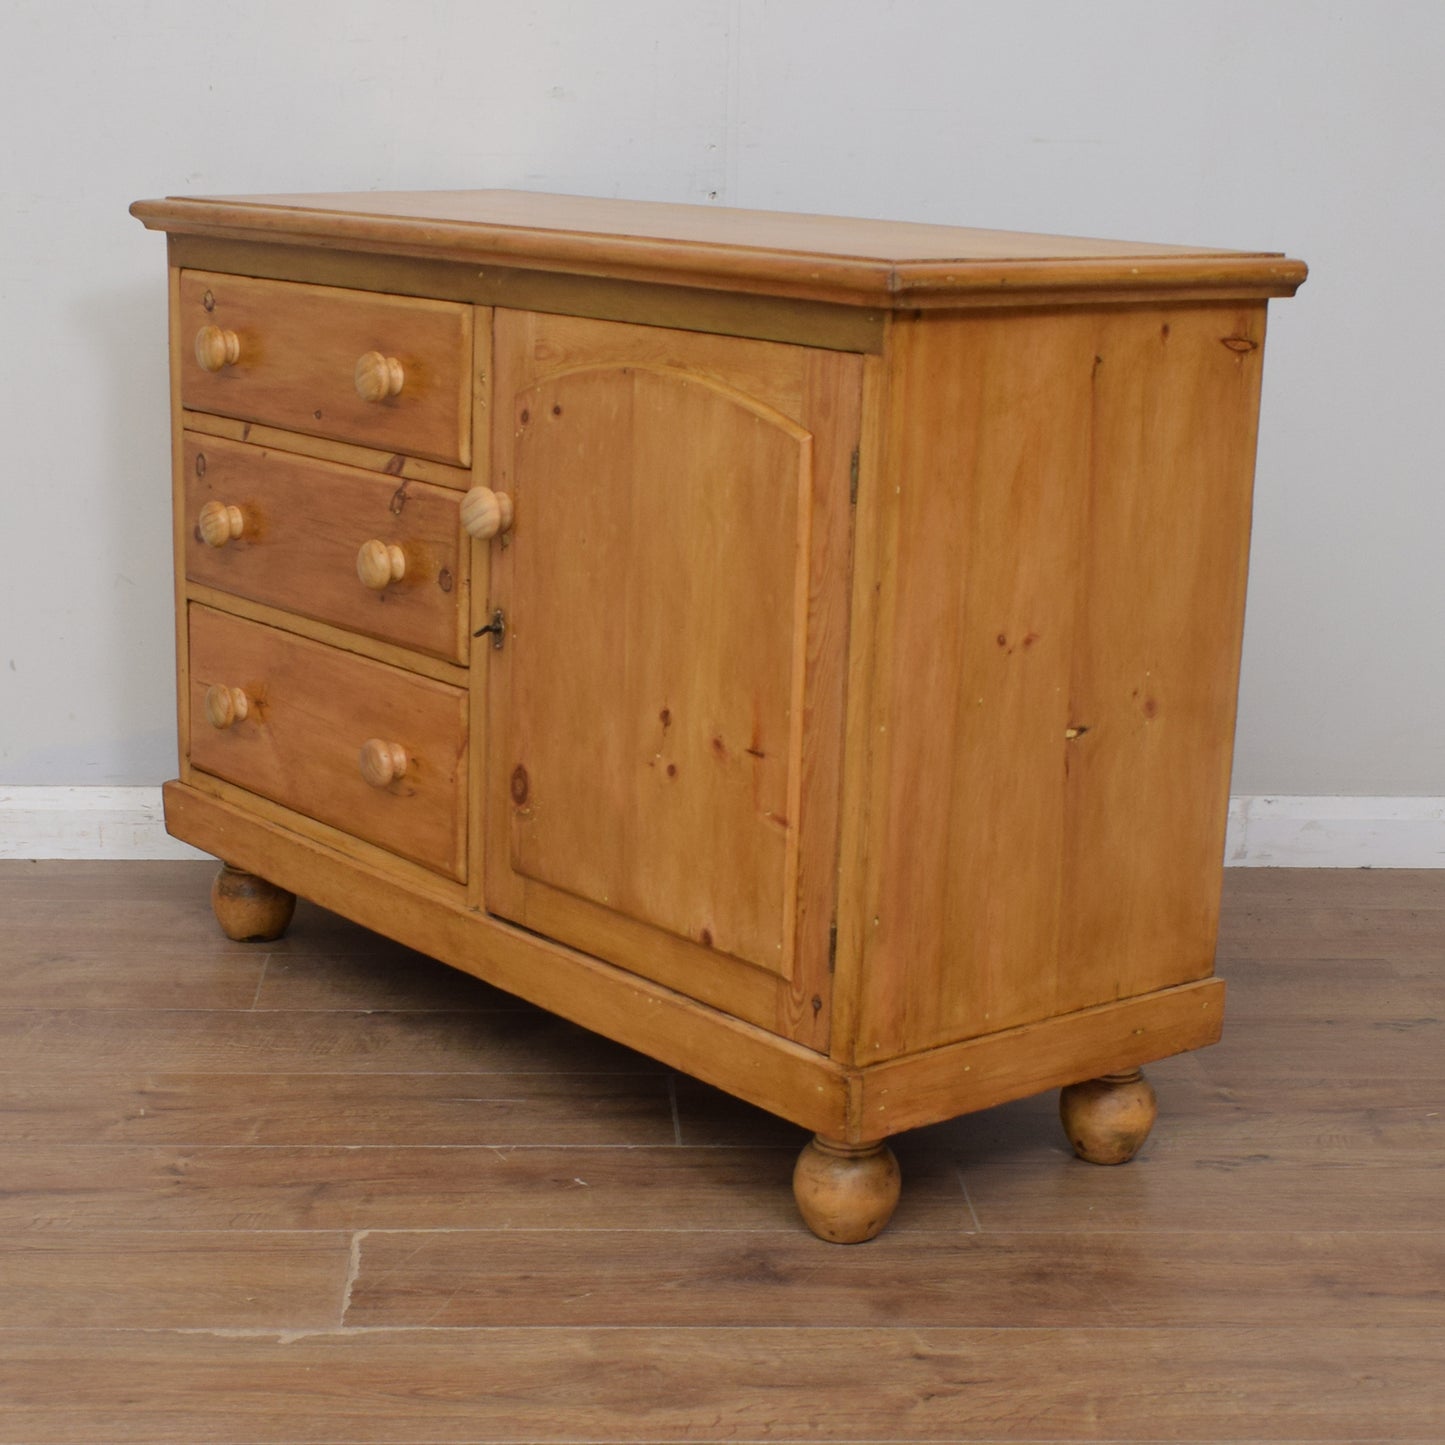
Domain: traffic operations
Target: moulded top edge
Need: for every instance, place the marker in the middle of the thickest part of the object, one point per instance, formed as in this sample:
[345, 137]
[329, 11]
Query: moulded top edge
[874, 262]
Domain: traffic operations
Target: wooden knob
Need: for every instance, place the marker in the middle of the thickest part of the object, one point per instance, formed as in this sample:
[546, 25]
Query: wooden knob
[219, 524]
[382, 763]
[379, 564]
[226, 705]
[378, 377]
[486, 514]
[216, 348]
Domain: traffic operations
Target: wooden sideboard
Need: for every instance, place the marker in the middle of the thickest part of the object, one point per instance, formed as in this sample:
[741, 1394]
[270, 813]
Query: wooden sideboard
[804, 650]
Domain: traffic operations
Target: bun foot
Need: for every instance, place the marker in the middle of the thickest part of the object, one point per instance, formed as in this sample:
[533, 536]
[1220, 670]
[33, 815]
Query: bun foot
[846, 1193]
[248, 908]
[1109, 1118]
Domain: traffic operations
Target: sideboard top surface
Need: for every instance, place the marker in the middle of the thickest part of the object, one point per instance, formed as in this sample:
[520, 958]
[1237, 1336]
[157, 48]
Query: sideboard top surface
[861, 262]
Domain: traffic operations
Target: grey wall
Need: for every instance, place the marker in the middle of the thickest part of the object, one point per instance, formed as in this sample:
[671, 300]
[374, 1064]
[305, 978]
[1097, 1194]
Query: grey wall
[1274, 124]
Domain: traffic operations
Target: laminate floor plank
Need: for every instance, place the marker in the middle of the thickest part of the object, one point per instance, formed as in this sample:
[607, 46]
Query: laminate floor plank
[101, 921]
[1413, 1045]
[69, 879]
[706, 1115]
[295, 1041]
[1042, 1191]
[200, 1187]
[1389, 890]
[1326, 1384]
[173, 917]
[1328, 932]
[1297, 1120]
[399, 980]
[1133, 1278]
[324, 1192]
[44, 977]
[249, 977]
[1336, 988]
[339, 1109]
[220, 1280]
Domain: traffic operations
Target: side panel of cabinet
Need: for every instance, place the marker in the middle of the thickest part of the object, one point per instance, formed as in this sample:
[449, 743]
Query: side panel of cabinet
[666, 712]
[1064, 523]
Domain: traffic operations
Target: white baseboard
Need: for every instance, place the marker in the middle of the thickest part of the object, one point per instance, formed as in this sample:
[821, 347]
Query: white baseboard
[1336, 832]
[86, 823]
[1264, 832]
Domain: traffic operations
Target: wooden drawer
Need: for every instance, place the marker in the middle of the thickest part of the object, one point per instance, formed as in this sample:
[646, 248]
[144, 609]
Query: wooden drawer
[288, 354]
[313, 716]
[288, 531]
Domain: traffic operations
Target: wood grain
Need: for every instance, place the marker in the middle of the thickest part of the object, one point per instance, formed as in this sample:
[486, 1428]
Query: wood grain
[1392, 1121]
[1054, 715]
[195, 1190]
[38, 972]
[660, 711]
[331, 636]
[604, 819]
[1129, 1279]
[572, 1107]
[184, 1186]
[647, 303]
[1408, 988]
[298, 350]
[389, 977]
[978, 1073]
[302, 1041]
[303, 525]
[1399, 893]
[1416, 1044]
[861, 262]
[162, 1280]
[1332, 1383]
[314, 710]
[397, 465]
[1330, 930]
[795, 1082]
[666, 714]
[1253, 1190]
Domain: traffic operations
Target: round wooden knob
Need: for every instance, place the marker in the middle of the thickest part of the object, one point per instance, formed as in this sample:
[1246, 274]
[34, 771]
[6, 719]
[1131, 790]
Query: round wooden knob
[378, 377]
[216, 348]
[486, 514]
[219, 523]
[226, 705]
[382, 763]
[379, 564]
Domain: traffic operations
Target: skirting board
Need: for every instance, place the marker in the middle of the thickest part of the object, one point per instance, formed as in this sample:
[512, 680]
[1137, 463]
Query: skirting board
[1264, 832]
[86, 823]
[1335, 832]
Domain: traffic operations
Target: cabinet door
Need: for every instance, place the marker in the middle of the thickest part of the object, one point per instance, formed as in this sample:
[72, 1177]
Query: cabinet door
[665, 716]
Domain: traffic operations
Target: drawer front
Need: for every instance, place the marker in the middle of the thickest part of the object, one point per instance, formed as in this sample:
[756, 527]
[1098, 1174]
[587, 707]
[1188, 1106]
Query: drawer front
[301, 357]
[331, 542]
[367, 748]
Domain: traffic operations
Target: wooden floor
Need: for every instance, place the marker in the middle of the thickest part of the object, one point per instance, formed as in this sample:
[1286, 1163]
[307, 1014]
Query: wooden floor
[326, 1191]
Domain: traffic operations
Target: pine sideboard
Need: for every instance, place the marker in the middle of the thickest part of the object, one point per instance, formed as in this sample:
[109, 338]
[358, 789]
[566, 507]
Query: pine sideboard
[802, 649]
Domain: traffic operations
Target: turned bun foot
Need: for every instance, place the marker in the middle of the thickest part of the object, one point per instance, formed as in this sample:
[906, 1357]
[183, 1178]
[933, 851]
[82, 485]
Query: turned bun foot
[846, 1193]
[1108, 1119]
[248, 908]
